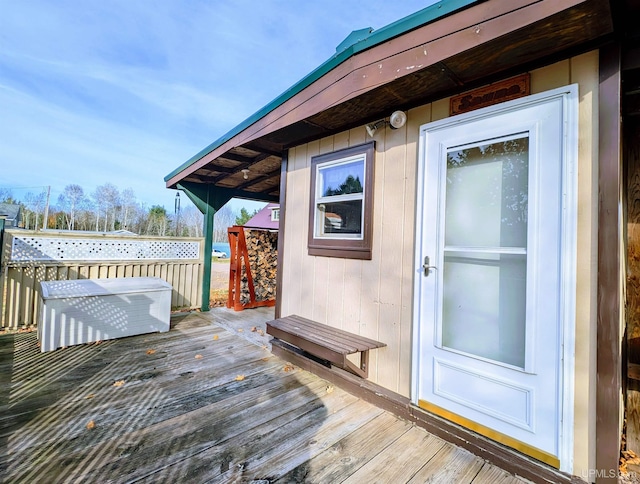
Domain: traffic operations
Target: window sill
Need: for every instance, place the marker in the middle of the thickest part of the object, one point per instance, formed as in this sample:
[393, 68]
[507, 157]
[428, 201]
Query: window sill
[341, 252]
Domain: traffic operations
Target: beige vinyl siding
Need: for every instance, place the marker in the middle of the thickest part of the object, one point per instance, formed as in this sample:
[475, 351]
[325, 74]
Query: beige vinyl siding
[374, 298]
[371, 298]
[584, 72]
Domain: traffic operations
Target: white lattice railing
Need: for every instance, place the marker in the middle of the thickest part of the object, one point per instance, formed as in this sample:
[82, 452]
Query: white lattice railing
[43, 248]
[31, 257]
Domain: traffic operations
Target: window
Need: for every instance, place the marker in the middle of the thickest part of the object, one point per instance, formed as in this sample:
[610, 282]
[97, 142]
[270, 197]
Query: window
[341, 203]
[275, 214]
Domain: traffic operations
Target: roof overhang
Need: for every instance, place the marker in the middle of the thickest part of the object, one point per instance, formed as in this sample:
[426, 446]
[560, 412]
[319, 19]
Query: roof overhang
[448, 48]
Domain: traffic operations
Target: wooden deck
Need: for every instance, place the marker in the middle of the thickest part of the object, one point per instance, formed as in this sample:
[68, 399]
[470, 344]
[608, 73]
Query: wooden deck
[202, 404]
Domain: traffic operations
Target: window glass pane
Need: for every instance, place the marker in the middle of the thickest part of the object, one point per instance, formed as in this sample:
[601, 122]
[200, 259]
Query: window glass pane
[342, 179]
[484, 305]
[486, 195]
[339, 218]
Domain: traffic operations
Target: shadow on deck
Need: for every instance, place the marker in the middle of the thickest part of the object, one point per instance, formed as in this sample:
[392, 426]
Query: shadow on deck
[204, 402]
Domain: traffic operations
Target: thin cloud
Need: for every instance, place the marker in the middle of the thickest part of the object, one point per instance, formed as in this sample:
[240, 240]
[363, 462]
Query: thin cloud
[124, 92]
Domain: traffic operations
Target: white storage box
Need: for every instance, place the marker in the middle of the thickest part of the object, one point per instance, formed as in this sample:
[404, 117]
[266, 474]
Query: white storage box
[88, 310]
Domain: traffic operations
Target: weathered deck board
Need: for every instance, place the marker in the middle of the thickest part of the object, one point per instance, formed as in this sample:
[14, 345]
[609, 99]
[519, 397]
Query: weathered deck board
[93, 361]
[245, 455]
[450, 464]
[346, 456]
[288, 449]
[218, 426]
[164, 405]
[170, 368]
[494, 475]
[182, 418]
[399, 461]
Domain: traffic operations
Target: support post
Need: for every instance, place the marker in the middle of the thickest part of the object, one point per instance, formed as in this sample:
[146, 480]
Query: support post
[608, 390]
[209, 199]
[281, 233]
[3, 218]
[208, 251]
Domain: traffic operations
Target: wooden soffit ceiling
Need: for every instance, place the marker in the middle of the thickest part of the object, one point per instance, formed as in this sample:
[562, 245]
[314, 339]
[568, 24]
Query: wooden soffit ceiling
[479, 44]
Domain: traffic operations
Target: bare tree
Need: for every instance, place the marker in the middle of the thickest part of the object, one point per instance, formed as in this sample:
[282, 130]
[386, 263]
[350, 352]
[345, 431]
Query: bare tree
[106, 208]
[98, 206]
[85, 215]
[128, 206]
[112, 196]
[222, 220]
[191, 221]
[6, 195]
[35, 204]
[107, 198]
[138, 218]
[69, 201]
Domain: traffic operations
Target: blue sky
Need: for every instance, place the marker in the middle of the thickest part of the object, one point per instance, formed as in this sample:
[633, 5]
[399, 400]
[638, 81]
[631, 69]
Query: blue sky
[124, 91]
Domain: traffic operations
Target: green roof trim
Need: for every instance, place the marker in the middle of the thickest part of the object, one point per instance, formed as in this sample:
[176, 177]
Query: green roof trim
[353, 38]
[357, 41]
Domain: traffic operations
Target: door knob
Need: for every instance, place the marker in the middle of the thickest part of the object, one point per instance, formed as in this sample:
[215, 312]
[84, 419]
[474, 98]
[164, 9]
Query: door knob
[426, 267]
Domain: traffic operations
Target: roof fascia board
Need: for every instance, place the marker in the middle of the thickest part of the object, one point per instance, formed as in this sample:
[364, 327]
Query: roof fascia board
[442, 39]
[415, 20]
[364, 72]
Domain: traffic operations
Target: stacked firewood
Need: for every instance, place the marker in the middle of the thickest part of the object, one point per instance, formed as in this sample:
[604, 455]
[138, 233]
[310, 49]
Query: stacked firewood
[262, 249]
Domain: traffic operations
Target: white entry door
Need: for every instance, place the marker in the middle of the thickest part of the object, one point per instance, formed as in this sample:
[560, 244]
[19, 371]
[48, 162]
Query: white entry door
[495, 284]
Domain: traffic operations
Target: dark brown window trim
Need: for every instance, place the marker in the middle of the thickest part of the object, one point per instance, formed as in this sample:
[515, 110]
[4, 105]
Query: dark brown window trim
[345, 248]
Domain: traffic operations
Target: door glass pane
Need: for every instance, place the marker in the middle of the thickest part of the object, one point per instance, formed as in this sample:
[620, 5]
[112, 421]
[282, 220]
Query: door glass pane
[484, 306]
[484, 273]
[486, 195]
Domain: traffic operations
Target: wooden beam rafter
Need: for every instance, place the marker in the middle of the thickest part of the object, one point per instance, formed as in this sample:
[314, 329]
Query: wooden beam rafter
[260, 177]
[239, 168]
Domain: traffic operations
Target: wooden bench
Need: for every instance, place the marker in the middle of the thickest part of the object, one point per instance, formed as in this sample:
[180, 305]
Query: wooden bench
[322, 341]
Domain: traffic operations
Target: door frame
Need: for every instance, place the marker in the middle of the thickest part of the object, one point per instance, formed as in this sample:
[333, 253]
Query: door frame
[568, 248]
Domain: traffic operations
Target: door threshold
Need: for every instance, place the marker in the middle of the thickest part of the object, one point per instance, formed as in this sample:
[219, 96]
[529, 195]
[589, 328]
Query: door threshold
[506, 440]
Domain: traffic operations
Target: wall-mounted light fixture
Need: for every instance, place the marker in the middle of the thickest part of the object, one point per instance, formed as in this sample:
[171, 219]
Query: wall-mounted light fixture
[245, 173]
[397, 120]
[373, 127]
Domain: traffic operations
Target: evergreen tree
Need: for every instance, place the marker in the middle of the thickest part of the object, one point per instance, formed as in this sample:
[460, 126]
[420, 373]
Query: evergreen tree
[244, 216]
